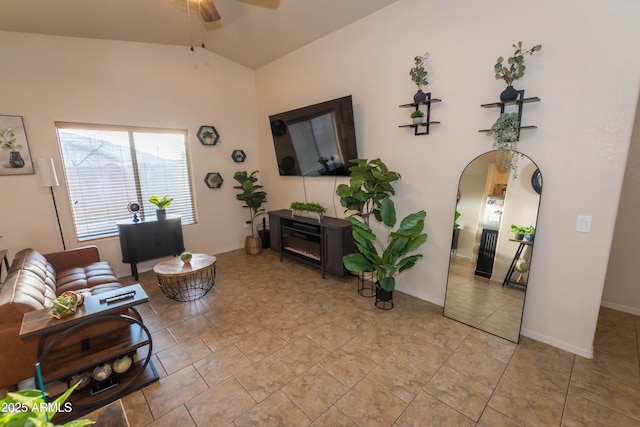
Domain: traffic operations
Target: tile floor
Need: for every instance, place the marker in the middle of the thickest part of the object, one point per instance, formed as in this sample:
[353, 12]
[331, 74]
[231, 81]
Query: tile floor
[276, 345]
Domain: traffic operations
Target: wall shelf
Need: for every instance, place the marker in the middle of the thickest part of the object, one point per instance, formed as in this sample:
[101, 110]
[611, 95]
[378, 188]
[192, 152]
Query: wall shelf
[421, 128]
[518, 102]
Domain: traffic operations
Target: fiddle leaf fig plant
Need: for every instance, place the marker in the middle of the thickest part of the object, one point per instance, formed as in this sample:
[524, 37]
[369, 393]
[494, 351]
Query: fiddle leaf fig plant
[369, 184]
[386, 256]
[251, 194]
[514, 69]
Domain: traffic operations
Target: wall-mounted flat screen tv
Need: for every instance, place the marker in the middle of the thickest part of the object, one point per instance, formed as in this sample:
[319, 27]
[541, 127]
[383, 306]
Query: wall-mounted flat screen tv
[317, 140]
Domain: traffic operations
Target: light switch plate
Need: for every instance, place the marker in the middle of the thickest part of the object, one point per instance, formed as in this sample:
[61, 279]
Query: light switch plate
[584, 224]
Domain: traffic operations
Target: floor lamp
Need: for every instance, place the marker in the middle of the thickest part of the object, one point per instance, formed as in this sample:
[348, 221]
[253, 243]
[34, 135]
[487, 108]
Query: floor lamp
[50, 179]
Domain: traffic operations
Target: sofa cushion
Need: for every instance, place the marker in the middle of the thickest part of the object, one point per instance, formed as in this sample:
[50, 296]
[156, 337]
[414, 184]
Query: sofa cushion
[98, 275]
[34, 262]
[23, 291]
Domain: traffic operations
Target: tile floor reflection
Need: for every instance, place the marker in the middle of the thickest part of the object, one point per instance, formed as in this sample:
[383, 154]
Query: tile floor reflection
[481, 303]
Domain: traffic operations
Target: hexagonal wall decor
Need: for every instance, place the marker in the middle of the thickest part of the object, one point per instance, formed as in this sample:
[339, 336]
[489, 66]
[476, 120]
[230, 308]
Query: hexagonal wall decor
[208, 135]
[213, 180]
[238, 156]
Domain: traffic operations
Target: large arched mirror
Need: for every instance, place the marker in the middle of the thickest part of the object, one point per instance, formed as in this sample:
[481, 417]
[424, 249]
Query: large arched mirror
[489, 267]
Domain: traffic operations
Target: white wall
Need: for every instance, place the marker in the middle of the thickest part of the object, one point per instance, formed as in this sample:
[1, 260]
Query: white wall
[587, 80]
[47, 79]
[621, 290]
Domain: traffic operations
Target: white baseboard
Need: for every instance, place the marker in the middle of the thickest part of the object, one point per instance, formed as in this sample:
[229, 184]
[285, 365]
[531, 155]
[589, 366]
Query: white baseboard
[619, 307]
[587, 353]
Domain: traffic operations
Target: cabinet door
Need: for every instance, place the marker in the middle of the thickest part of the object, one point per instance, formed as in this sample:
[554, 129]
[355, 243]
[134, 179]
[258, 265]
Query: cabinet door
[337, 243]
[274, 235]
[169, 237]
[137, 241]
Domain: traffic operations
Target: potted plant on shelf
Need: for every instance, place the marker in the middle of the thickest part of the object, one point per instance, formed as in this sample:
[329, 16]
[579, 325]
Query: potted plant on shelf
[207, 135]
[506, 134]
[161, 204]
[518, 232]
[386, 256]
[419, 77]
[529, 233]
[514, 71]
[253, 198]
[315, 208]
[417, 117]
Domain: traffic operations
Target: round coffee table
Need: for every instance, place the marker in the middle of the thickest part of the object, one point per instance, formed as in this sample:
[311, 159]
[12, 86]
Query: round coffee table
[186, 281]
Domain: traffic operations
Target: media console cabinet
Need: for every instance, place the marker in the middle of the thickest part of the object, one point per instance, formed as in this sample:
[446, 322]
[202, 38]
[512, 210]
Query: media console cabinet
[319, 243]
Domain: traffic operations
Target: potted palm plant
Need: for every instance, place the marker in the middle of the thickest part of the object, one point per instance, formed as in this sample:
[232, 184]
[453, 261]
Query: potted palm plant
[386, 256]
[253, 198]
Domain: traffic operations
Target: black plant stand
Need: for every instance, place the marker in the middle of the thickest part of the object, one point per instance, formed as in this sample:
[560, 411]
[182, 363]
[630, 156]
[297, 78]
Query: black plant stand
[384, 299]
[366, 284]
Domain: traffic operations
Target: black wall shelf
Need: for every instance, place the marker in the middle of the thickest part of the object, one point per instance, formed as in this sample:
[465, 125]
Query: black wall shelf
[518, 102]
[421, 128]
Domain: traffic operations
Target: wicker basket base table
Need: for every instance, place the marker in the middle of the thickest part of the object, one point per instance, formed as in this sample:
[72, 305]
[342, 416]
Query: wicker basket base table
[186, 281]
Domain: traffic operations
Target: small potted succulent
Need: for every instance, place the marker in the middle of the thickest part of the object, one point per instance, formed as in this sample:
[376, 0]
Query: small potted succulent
[529, 233]
[518, 232]
[419, 77]
[207, 135]
[417, 117]
[514, 70]
[185, 257]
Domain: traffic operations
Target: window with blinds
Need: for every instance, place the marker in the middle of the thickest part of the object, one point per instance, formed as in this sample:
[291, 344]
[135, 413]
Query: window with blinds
[106, 167]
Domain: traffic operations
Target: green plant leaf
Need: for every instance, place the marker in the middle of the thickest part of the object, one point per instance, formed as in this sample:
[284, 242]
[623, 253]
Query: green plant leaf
[388, 212]
[387, 283]
[356, 263]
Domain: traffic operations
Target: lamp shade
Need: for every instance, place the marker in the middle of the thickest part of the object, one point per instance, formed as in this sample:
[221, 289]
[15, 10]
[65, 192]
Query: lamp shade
[48, 175]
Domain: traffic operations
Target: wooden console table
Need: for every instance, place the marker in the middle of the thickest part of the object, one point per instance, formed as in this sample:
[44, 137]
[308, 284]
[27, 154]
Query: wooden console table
[59, 363]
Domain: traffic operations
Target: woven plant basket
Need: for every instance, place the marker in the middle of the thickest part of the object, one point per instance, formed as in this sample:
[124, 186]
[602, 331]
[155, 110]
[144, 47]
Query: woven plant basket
[253, 245]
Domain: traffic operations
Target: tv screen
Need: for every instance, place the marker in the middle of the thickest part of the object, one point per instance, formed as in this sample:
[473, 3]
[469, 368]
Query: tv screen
[317, 140]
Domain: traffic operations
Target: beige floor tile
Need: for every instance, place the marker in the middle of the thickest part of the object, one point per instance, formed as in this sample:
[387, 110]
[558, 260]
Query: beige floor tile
[403, 380]
[260, 344]
[162, 340]
[377, 343]
[492, 418]
[612, 366]
[314, 391]
[221, 365]
[221, 405]
[333, 418]
[538, 379]
[265, 377]
[517, 402]
[583, 412]
[420, 354]
[178, 388]
[426, 410]
[136, 408]
[606, 391]
[369, 404]
[223, 336]
[184, 354]
[177, 417]
[544, 356]
[460, 392]
[476, 366]
[489, 345]
[347, 365]
[331, 336]
[301, 354]
[188, 329]
[275, 411]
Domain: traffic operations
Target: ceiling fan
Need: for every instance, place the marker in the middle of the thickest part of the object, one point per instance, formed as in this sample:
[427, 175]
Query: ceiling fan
[206, 8]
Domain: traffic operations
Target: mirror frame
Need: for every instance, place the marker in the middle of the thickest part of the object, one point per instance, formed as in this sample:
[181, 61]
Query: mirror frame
[535, 182]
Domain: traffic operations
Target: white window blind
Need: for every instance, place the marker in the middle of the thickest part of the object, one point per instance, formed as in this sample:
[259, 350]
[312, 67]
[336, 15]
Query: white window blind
[107, 167]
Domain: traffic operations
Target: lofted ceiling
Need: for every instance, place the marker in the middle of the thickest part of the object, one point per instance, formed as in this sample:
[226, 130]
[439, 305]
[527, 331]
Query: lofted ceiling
[250, 32]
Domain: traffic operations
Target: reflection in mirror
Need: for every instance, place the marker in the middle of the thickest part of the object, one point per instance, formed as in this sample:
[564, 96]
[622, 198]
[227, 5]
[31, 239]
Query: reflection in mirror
[489, 267]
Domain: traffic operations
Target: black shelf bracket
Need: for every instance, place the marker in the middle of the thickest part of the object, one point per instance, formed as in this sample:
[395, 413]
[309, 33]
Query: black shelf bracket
[421, 128]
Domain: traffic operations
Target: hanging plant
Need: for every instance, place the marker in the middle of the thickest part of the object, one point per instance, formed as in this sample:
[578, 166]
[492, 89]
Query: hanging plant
[506, 134]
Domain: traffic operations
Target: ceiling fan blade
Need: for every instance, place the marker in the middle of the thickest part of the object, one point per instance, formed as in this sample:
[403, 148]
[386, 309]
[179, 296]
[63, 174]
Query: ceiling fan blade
[208, 11]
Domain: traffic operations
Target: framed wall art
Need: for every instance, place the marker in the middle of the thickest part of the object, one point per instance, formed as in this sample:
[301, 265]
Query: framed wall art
[15, 157]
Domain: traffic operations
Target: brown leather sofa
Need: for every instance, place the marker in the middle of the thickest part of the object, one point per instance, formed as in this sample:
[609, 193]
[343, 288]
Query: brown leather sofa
[33, 281]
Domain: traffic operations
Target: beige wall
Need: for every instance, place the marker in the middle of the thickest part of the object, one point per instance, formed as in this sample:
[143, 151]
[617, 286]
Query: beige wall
[47, 79]
[584, 126]
[621, 286]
